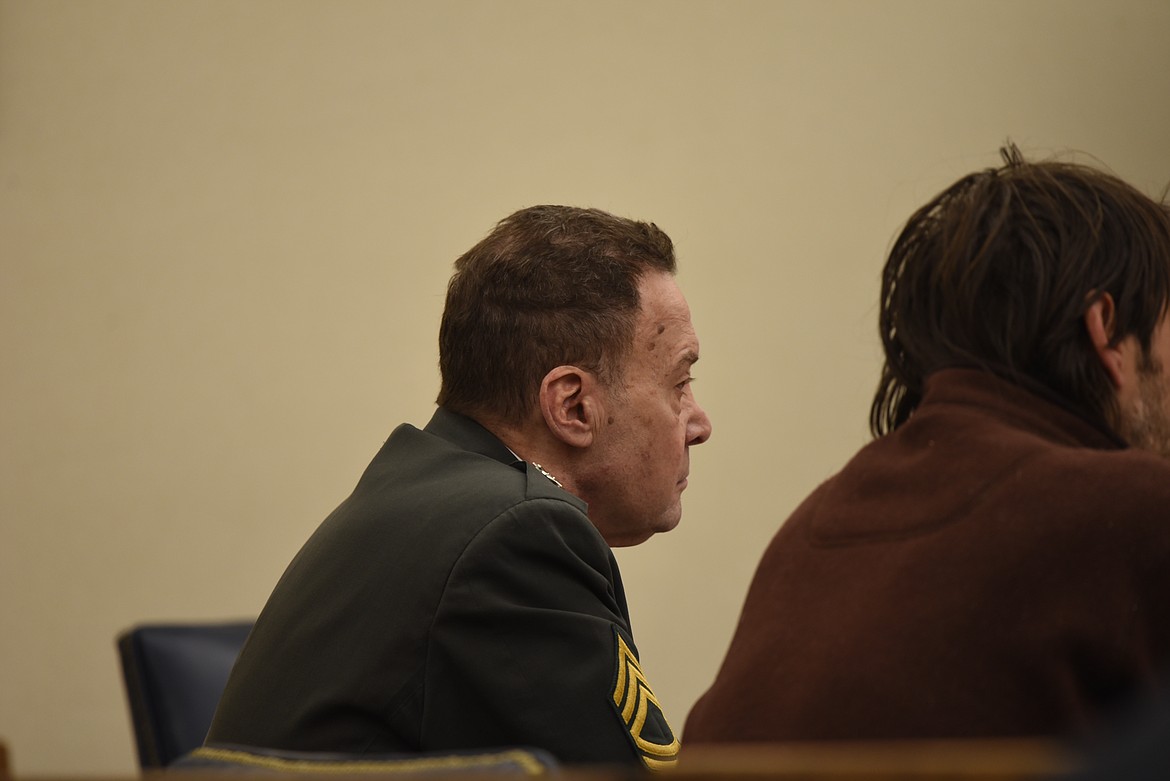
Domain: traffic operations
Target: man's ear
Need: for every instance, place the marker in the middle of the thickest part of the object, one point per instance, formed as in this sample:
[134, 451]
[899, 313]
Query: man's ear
[571, 404]
[1101, 322]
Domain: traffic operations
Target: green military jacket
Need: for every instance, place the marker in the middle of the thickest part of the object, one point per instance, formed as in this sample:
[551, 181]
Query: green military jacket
[458, 599]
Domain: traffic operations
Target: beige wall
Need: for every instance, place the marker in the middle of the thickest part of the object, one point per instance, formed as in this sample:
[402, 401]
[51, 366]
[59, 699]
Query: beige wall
[225, 230]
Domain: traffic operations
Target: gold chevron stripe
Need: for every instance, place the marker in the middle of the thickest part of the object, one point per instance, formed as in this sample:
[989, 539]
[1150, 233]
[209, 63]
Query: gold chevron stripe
[633, 695]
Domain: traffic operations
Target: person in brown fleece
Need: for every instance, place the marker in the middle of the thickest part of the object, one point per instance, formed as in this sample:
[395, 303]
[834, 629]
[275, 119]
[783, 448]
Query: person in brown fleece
[996, 563]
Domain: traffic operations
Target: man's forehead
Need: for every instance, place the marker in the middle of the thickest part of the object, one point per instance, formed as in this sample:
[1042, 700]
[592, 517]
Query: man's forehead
[664, 321]
[671, 328]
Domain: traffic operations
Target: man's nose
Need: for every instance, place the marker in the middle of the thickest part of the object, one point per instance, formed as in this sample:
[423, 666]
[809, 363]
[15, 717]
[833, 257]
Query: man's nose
[699, 426]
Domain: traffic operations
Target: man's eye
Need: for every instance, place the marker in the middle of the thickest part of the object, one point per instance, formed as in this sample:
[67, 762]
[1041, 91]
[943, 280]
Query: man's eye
[685, 383]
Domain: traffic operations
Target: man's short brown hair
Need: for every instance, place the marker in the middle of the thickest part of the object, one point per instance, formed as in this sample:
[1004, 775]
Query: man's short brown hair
[549, 286]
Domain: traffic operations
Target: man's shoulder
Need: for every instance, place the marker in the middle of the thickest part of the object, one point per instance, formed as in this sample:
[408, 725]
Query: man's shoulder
[1114, 470]
[1109, 504]
[539, 514]
[961, 463]
[1131, 481]
[424, 476]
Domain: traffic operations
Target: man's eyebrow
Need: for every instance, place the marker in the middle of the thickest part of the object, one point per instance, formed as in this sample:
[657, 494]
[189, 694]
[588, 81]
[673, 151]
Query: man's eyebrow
[689, 358]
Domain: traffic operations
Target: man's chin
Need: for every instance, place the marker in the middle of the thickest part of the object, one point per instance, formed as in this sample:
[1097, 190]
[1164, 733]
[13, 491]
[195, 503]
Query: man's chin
[630, 538]
[628, 541]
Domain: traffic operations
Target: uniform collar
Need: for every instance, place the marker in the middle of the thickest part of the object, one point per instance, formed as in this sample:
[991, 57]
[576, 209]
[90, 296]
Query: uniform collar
[466, 433]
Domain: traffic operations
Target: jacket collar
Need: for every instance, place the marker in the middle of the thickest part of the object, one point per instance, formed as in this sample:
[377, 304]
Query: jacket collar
[466, 433]
[1030, 404]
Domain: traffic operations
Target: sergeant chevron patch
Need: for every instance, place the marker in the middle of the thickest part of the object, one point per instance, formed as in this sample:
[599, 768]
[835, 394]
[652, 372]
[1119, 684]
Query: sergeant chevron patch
[639, 710]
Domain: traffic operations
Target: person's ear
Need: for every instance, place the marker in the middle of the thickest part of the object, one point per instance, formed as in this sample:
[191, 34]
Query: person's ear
[571, 404]
[1101, 322]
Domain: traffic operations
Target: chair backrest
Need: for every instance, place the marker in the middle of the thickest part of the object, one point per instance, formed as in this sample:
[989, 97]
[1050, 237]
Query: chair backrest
[510, 761]
[174, 675]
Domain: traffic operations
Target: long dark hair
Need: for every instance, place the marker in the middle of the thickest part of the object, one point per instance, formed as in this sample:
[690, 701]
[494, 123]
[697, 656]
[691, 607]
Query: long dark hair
[997, 272]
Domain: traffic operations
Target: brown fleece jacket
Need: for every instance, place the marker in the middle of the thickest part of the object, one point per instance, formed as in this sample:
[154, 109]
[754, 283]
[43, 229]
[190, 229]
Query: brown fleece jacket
[997, 566]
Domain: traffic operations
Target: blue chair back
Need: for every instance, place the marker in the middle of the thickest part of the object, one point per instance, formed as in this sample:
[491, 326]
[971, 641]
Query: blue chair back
[174, 676]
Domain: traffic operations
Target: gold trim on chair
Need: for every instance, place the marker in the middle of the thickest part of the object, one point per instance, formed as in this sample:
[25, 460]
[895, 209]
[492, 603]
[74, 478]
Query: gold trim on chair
[522, 760]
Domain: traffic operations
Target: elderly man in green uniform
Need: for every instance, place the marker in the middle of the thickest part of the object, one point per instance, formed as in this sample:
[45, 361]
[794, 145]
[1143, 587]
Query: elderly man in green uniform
[465, 595]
